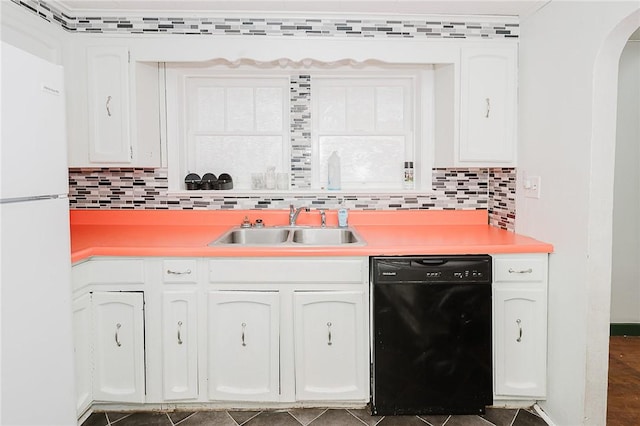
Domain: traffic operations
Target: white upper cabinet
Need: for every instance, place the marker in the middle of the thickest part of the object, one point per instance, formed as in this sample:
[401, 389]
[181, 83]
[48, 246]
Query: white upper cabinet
[109, 112]
[488, 105]
[113, 107]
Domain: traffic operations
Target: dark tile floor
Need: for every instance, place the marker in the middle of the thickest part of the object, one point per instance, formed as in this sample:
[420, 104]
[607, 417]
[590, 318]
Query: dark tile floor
[311, 417]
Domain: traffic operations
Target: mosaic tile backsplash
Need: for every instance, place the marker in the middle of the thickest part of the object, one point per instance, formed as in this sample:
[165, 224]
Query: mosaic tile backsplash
[261, 27]
[492, 189]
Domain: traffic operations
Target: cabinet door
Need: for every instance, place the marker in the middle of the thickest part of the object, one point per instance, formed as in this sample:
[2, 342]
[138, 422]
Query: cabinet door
[82, 349]
[179, 345]
[243, 345]
[108, 89]
[331, 360]
[520, 327]
[488, 106]
[118, 323]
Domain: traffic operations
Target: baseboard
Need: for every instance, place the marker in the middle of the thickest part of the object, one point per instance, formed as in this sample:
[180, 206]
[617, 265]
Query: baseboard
[629, 329]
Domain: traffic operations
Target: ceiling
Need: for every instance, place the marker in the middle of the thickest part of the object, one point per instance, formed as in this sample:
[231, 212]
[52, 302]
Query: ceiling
[517, 8]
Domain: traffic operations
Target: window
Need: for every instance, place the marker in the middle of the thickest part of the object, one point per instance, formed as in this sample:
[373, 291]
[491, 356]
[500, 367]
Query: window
[234, 125]
[240, 123]
[369, 123]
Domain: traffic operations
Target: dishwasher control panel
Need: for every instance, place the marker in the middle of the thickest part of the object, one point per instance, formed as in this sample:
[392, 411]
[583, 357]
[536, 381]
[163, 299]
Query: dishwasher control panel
[431, 269]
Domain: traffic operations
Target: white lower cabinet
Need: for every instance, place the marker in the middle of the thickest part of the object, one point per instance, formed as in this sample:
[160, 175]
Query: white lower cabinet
[179, 345]
[243, 330]
[331, 361]
[118, 346]
[82, 332]
[520, 326]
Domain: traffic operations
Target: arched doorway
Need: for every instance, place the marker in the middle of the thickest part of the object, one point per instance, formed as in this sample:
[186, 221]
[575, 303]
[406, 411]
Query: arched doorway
[605, 84]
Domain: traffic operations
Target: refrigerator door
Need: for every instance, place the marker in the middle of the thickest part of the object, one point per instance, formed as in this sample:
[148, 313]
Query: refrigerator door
[33, 155]
[38, 386]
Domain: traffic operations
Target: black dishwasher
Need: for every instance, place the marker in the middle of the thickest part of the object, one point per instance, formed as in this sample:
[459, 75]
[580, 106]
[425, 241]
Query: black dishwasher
[432, 334]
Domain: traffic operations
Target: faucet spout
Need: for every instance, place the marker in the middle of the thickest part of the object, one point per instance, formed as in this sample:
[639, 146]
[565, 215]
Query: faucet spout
[294, 213]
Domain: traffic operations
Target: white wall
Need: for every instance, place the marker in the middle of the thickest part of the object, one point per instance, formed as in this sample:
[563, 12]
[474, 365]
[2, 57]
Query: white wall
[560, 137]
[625, 273]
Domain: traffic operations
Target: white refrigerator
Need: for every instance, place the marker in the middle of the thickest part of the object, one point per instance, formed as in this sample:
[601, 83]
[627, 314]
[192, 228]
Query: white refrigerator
[37, 384]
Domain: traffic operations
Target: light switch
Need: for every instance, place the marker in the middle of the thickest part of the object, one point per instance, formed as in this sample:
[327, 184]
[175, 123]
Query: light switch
[532, 187]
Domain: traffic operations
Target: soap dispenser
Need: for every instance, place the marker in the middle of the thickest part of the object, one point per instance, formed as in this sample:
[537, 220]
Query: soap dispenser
[334, 171]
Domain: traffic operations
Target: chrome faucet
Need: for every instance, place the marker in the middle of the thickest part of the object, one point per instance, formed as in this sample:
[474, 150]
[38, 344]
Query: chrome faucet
[294, 213]
[323, 218]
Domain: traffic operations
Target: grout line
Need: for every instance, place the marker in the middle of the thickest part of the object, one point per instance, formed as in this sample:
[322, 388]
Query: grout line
[176, 424]
[230, 416]
[358, 418]
[312, 420]
[170, 421]
[249, 419]
[488, 422]
[514, 418]
[423, 420]
[446, 421]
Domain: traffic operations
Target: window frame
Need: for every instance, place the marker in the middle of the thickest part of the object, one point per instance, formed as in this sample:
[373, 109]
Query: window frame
[423, 119]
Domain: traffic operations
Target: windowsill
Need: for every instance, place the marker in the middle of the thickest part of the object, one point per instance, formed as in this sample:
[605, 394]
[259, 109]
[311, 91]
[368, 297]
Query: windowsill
[296, 192]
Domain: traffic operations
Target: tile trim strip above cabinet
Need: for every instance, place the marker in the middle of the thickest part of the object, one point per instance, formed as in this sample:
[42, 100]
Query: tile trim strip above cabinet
[429, 27]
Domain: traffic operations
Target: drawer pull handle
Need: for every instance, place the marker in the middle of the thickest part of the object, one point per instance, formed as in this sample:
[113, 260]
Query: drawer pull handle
[329, 330]
[187, 272]
[118, 325]
[488, 108]
[520, 271]
[519, 339]
[179, 329]
[244, 325]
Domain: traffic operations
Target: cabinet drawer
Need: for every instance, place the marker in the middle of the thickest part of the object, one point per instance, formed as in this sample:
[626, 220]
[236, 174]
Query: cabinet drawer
[526, 270]
[287, 270]
[180, 271]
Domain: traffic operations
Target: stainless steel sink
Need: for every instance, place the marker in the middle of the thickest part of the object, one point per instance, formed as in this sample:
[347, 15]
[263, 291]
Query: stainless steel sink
[254, 236]
[289, 236]
[324, 236]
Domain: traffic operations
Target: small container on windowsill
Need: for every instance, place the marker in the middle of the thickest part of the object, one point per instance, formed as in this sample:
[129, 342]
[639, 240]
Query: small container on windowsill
[408, 182]
[192, 181]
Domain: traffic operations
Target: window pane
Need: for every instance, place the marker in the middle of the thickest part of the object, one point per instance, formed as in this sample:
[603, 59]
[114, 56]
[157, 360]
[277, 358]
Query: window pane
[210, 109]
[240, 110]
[238, 156]
[269, 109]
[360, 109]
[331, 109]
[390, 108]
[365, 161]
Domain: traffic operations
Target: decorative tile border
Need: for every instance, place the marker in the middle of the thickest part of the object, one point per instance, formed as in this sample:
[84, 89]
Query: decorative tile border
[502, 198]
[145, 189]
[257, 27]
[300, 118]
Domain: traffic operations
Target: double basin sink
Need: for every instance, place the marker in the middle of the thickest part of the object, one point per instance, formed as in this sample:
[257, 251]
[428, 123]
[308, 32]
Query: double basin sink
[289, 236]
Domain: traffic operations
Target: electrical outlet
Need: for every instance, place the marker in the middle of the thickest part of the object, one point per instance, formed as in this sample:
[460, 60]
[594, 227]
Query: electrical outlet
[532, 187]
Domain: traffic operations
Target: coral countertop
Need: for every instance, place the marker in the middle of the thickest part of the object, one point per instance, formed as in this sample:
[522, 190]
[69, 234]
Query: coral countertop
[188, 233]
